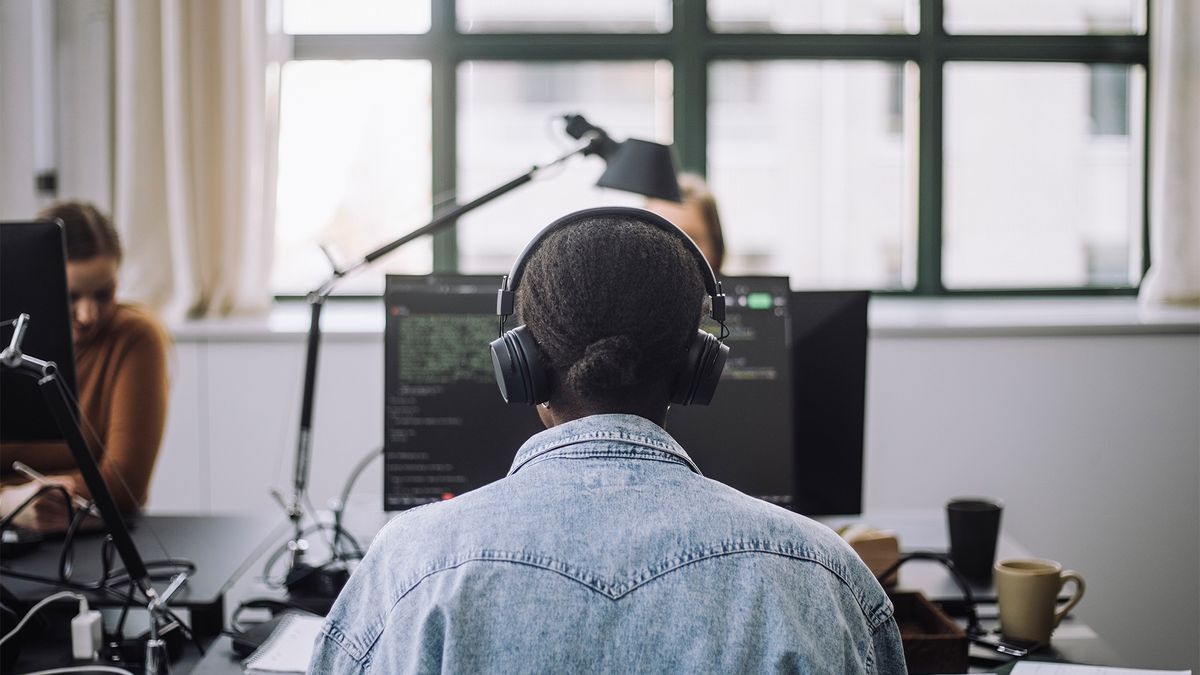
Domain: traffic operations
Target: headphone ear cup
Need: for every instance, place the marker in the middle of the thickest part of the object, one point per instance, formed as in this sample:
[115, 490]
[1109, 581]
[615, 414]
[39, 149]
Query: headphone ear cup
[701, 371]
[519, 367]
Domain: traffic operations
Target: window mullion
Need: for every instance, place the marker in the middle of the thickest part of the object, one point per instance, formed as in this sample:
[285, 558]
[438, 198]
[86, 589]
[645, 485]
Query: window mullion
[444, 132]
[929, 151]
[689, 68]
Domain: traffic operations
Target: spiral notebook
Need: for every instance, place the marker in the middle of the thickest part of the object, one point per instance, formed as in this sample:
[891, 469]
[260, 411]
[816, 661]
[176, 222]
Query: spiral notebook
[288, 649]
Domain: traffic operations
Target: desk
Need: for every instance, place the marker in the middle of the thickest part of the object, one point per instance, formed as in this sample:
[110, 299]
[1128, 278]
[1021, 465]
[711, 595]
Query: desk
[218, 545]
[926, 531]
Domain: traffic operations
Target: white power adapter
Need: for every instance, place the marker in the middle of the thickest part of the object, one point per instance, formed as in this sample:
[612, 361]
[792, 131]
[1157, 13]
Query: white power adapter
[86, 632]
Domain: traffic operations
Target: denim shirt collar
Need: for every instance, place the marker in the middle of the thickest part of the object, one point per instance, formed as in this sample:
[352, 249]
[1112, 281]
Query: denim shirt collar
[608, 429]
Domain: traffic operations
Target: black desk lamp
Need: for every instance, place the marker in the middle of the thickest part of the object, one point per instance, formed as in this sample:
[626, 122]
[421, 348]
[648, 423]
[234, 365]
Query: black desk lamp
[633, 166]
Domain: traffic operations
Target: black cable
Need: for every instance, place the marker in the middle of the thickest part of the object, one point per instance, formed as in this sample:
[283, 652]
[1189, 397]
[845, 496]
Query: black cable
[187, 632]
[973, 627]
[108, 590]
[120, 629]
[167, 569]
[107, 553]
[357, 553]
[344, 499]
[66, 556]
[50, 581]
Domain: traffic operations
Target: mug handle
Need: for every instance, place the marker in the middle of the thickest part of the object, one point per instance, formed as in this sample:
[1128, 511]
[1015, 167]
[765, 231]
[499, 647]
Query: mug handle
[1069, 575]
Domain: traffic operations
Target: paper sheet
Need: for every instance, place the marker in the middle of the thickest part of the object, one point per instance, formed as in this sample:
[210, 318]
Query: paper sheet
[1035, 668]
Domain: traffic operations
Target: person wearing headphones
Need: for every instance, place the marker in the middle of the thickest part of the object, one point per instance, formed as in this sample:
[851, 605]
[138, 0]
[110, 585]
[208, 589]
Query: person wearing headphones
[605, 549]
[121, 363]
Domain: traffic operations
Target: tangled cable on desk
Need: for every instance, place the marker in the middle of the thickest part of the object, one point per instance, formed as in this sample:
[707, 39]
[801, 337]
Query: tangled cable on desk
[350, 550]
[110, 579]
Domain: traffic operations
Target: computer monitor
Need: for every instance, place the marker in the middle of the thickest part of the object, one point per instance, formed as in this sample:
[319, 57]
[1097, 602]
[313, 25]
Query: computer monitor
[447, 431]
[829, 372]
[33, 280]
[744, 438]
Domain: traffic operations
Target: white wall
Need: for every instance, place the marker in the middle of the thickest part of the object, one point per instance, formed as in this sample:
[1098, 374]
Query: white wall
[1092, 441]
[17, 196]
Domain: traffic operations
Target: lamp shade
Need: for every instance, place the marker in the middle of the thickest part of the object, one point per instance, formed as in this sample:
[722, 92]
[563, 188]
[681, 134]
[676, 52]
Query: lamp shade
[643, 167]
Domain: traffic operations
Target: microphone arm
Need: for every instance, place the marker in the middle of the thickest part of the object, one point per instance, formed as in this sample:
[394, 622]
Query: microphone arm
[596, 143]
[12, 357]
[46, 374]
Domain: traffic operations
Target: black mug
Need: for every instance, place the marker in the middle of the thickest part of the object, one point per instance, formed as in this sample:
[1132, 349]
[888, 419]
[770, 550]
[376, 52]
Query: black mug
[974, 524]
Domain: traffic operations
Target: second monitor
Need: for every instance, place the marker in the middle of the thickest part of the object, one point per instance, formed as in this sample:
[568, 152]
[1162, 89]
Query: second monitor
[447, 431]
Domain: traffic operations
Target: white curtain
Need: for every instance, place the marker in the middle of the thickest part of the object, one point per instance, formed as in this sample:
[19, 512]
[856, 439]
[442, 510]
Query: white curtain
[194, 180]
[1174, 275]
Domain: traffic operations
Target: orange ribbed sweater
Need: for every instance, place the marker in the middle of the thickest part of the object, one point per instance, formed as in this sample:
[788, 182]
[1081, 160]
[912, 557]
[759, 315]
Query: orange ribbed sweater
[123, 388]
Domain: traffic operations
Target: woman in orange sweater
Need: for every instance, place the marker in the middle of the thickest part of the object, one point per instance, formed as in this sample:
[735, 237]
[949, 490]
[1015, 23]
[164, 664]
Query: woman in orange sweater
[121, 371]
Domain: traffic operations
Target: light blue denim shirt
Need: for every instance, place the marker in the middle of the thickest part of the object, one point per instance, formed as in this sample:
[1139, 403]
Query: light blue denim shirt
[605, 550]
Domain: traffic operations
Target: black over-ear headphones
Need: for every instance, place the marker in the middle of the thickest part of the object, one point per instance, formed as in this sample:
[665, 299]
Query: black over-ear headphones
[517, 359]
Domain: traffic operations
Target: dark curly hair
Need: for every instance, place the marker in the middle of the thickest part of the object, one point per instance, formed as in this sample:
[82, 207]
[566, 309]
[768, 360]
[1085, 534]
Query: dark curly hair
[87, 230]
[613, 302]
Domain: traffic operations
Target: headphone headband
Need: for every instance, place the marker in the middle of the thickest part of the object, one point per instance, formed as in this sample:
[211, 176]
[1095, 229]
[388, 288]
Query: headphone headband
[505, 296]
[520, 366]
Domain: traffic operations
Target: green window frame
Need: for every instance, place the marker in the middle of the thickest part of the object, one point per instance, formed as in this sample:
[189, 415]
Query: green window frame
[691, 46]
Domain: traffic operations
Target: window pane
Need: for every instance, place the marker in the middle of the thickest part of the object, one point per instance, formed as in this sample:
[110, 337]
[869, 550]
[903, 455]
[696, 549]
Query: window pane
[1043, 176]
[526, 16]
[355, 16]
[814, 16]
[813, 163]
[508, 122]
[1040, 16]
[354, 170]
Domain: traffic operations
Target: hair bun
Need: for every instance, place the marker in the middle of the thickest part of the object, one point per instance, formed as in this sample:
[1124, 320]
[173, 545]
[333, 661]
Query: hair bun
[608, 364]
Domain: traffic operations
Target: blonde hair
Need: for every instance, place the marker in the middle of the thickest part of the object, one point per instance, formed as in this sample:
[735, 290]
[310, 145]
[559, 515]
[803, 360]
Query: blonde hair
[695, 190]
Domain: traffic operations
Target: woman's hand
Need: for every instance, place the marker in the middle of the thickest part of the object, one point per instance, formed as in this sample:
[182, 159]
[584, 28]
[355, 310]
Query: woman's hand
[48, 512]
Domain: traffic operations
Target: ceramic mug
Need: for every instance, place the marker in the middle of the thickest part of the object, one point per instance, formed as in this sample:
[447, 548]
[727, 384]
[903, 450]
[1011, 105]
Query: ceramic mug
[1028, 590]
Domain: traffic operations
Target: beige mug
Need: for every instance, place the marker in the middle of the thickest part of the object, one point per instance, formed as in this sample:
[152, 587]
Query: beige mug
[1028, 590]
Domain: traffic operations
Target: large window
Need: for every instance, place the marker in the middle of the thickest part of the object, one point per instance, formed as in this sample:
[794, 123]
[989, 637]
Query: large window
[912, 146]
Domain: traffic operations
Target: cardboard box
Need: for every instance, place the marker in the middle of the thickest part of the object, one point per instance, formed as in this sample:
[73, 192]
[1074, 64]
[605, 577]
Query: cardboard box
[877, 548]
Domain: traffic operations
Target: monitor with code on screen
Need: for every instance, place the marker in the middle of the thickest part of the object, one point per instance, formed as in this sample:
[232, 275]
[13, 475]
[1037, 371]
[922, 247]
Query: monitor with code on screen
[447, 430]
